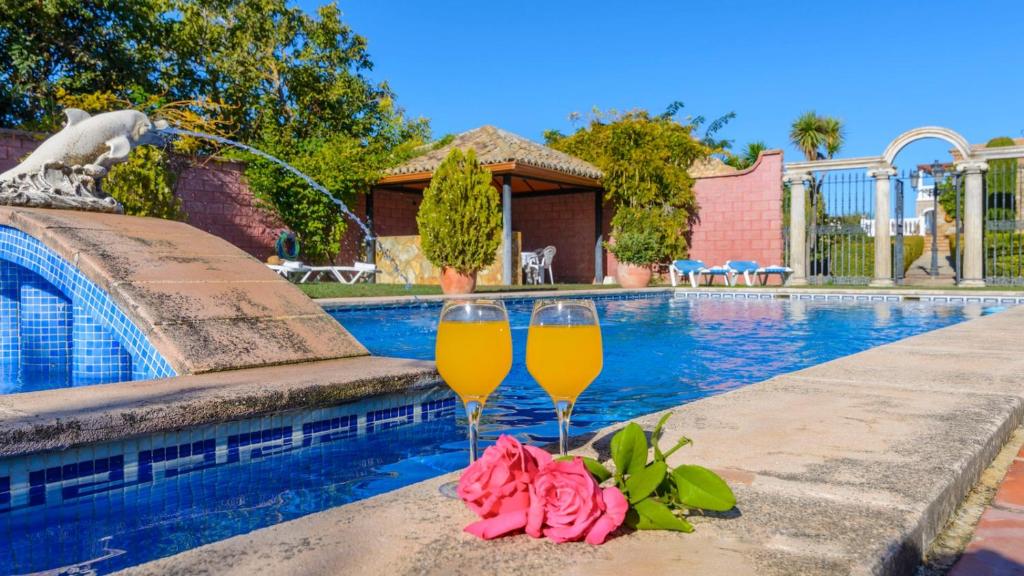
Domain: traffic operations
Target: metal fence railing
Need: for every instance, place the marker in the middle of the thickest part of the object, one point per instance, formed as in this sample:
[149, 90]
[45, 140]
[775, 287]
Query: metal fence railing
[1004, 223]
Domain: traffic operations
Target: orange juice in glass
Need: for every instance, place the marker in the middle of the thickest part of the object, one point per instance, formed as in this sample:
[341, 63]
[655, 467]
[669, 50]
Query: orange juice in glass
[474, 354]
[564, 354]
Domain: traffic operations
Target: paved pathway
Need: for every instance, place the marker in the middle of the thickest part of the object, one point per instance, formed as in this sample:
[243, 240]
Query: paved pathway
[998, 545]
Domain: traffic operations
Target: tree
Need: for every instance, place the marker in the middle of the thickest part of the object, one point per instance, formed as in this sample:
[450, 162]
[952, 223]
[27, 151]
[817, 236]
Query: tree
[76, 47]
[645, 161]
[818, 138]
[749, 156]
[260, 71]
[460, 217]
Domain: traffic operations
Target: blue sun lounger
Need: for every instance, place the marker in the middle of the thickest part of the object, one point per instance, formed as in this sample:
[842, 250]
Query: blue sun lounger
[744, 267]
[765, 271]
[687, 269]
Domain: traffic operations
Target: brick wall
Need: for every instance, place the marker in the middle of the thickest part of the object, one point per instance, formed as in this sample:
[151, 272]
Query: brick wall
[14, 145]
[565, 221]
[740, 215]
[217, 200]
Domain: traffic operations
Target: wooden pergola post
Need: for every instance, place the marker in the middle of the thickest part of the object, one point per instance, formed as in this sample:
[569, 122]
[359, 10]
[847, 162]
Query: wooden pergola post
[506, 229]
[598, 236]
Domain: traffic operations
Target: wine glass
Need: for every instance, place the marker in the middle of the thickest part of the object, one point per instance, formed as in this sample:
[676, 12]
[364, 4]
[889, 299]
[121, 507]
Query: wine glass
[564, 354]
[474, 354]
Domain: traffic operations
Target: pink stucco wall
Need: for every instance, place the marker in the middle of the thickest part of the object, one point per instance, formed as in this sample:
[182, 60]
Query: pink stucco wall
[740, 215]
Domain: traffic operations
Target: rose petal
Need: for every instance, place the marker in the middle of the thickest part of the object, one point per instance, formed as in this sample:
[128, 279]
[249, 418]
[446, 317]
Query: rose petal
[498, 526]
[535, 515]
[616, 507]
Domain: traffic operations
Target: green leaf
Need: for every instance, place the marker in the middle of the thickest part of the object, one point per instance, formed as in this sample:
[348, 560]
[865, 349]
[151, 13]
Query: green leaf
[597, 469]
[656, 436]
[629, 449]
[593, 466]
[656, 516]
[641, 484]
[701, 488]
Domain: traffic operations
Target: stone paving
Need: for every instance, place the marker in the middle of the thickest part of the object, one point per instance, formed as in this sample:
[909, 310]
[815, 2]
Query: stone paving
[848, 467]
[997, 548]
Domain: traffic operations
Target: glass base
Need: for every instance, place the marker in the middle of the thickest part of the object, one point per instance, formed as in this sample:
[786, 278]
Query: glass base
[449, 489]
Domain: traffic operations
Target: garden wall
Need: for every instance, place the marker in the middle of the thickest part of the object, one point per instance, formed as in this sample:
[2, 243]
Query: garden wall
[740, 215]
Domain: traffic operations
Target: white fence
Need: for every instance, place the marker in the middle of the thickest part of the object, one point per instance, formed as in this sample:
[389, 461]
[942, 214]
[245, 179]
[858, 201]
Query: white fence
[911, 226]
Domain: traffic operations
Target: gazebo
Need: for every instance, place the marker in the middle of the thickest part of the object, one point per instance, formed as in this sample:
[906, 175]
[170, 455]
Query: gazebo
[521, 168]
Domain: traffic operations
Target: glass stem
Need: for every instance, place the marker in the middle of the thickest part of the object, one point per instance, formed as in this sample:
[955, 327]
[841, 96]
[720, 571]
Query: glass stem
[564, 410]
[473, 410]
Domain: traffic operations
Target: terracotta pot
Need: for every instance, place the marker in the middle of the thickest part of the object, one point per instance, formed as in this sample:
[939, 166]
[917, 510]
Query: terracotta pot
[454, 282]
[631, 276]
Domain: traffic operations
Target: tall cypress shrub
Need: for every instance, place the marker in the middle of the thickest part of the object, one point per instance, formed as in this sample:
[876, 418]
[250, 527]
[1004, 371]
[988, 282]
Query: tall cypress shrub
[460, 217]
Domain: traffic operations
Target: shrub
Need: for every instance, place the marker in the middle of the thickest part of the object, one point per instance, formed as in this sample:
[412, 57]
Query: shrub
[639, 247]
[144, 185]
[460, 217]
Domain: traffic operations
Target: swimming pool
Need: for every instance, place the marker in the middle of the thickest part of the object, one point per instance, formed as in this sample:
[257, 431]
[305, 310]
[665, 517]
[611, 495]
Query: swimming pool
[109, 506]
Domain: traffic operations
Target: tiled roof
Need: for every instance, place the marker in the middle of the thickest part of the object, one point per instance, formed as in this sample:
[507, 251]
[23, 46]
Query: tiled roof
[495, 146]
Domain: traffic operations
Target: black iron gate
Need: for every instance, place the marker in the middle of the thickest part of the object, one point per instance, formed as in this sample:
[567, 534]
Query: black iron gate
[1004, 222]
[898, 268]
[840, 242]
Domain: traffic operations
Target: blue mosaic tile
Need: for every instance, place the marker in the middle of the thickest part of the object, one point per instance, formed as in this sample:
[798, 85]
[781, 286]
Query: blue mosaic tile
[56, 325]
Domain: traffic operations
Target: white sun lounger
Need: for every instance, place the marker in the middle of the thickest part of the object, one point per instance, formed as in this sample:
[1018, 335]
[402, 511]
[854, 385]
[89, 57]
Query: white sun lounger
[343, 274]
[292, 270]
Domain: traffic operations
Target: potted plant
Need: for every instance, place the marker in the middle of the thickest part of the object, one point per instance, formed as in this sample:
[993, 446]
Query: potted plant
[636, 251]
[459, 221]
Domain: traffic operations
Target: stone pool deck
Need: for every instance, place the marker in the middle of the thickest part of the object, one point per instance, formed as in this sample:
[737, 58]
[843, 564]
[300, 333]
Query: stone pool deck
[997, 548]
[66, 417]
[848, 467]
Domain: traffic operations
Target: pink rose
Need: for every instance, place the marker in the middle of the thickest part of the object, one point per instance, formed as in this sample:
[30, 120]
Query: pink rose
[566, 504]
[497, 486]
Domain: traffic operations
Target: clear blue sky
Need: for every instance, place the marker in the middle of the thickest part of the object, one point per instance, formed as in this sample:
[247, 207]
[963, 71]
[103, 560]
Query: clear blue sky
[883, 67]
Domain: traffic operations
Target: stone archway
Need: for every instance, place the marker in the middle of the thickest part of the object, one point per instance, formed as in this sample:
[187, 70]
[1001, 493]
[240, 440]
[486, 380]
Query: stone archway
[900, 142]
[971, 164]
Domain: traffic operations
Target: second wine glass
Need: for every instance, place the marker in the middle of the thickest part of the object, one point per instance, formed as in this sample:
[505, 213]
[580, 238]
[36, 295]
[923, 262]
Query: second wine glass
[564, 354]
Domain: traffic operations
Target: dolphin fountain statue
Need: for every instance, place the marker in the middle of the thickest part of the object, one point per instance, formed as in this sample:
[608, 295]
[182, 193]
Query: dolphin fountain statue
[65, 170]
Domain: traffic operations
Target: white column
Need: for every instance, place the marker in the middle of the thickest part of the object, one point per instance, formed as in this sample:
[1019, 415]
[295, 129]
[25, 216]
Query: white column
[883, 242]
[506, 230]
[973, 275]
[797, 226]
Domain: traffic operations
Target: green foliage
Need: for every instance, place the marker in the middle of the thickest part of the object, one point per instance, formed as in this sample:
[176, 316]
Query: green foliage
[854, 255]
[636, 246]
[51, 46]
[460, 217]
[144, 185]
[645, 161]
[1000, 187]
[817, 137]
[660, 496]
[260, 71]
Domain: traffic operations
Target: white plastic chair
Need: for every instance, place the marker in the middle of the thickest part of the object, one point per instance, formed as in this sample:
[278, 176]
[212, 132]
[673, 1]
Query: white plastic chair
[547, 258]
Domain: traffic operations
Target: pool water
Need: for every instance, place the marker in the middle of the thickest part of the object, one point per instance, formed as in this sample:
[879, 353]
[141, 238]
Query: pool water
[105, 507]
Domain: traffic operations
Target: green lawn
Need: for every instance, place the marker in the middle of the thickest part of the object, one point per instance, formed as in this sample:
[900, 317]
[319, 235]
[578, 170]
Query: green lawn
[336, 290]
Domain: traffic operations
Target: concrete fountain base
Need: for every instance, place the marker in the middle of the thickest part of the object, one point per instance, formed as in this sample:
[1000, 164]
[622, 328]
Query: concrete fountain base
[849, 467]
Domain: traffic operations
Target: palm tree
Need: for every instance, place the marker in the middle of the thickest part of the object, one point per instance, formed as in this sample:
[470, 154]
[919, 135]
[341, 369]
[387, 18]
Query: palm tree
[818, 137]
[749, 155]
